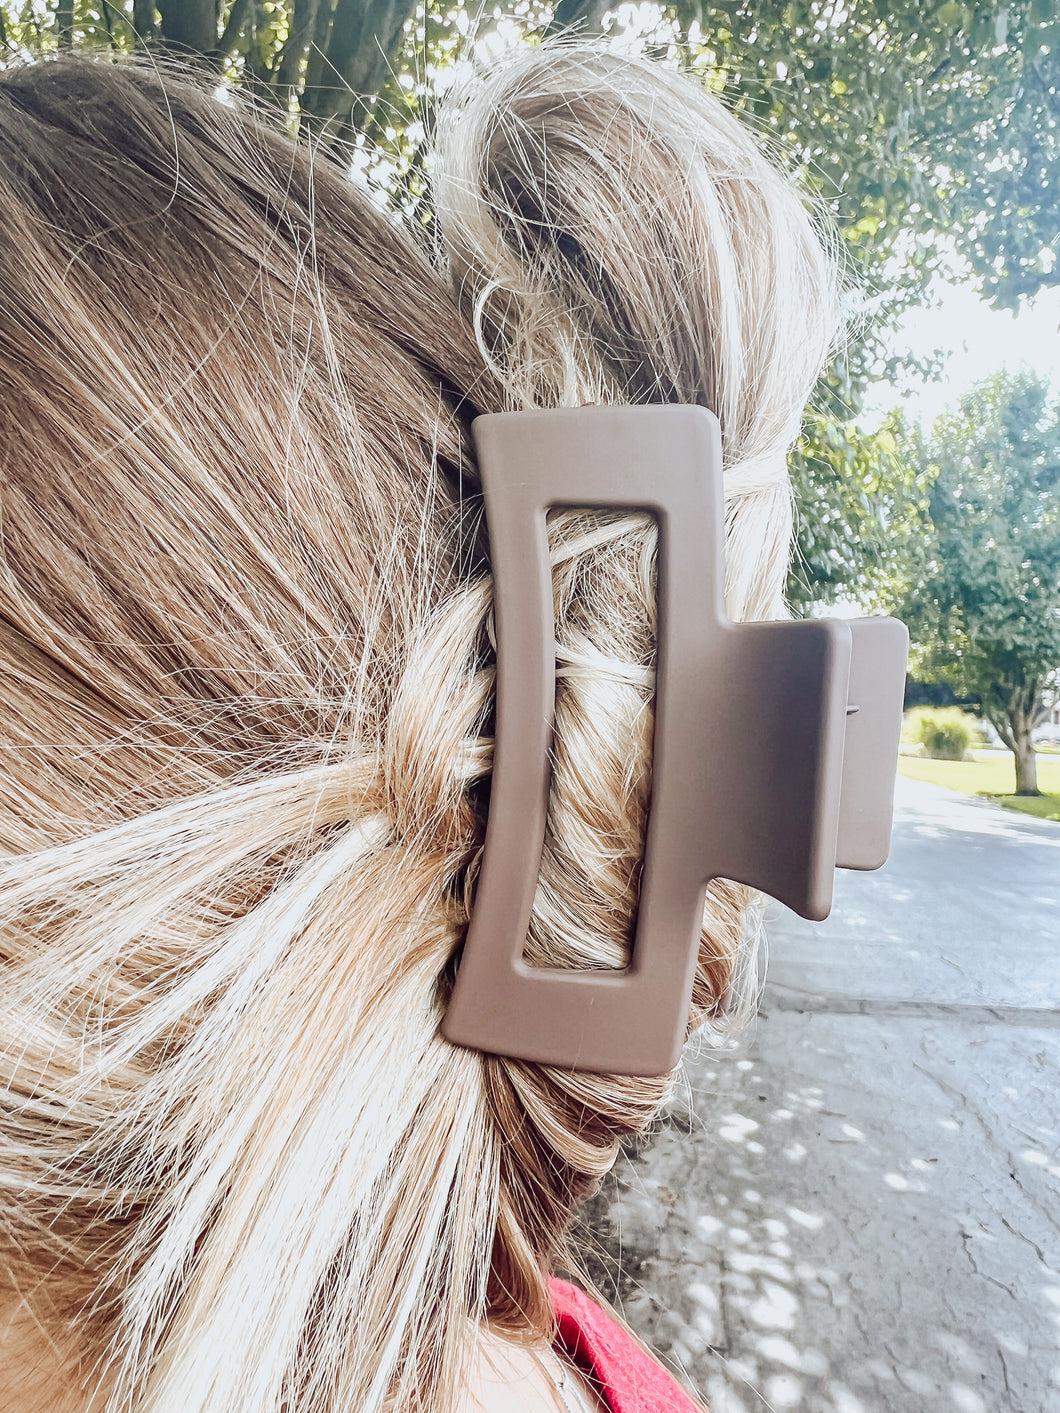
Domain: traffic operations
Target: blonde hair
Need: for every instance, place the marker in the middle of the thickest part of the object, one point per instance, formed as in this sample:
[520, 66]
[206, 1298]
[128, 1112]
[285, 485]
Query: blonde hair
[245, 639]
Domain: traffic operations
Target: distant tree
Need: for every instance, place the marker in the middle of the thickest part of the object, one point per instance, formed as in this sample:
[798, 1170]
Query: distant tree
[934, 694]
[983, 594]
[858, 502]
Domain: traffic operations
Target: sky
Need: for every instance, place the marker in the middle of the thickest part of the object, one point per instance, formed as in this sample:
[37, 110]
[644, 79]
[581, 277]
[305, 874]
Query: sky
[977, 341]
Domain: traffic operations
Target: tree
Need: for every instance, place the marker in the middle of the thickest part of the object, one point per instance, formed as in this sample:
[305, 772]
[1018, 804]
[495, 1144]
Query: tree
[913, 118]
[913, 122]
[858, 503]
[983, 595]
[325, 62]
[909, 121]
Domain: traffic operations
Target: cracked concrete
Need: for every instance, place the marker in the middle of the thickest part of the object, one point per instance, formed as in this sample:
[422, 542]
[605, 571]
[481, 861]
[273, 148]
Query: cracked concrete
[856, 1210]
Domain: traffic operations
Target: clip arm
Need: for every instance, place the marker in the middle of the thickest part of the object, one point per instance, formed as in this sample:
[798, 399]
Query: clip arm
[880, 648]
[748, 758]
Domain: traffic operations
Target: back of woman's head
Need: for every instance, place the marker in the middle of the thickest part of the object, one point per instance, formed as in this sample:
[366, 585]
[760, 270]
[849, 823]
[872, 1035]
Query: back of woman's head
[245, 640]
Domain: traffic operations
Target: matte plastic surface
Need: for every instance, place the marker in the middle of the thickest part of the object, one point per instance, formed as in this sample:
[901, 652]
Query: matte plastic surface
[750, 728]
[870, 757]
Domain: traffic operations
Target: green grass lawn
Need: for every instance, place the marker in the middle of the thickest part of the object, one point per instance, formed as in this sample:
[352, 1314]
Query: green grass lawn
[991, 773]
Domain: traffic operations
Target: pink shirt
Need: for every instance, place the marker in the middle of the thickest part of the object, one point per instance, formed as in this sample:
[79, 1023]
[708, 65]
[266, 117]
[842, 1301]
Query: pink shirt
[631, 1381]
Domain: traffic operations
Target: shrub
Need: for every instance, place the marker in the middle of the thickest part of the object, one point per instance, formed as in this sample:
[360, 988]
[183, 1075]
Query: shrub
[944, 732]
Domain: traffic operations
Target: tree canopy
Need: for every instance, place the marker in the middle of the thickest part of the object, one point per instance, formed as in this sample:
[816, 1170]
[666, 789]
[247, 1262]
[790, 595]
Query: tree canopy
[930, 132]
[983, 586]
[911, 119]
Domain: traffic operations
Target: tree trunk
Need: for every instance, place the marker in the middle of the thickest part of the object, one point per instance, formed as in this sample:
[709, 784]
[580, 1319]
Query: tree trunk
[1014, 715]
[363, 41]
[318, 49]
[64, 17]
[144, 20]
[104, 9]
[303, 24]
[189, 25]
[237, 17]
[582, 17]
[256, 71]
[1026, 764]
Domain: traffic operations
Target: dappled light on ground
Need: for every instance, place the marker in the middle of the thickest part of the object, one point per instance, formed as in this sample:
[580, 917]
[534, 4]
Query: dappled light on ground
[856, 1210]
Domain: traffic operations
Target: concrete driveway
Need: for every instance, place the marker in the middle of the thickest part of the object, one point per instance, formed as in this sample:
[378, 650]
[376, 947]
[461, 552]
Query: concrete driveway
[856, 1210]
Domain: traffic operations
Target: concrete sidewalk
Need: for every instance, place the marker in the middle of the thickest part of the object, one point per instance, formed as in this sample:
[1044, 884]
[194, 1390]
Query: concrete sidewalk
[856, 1210]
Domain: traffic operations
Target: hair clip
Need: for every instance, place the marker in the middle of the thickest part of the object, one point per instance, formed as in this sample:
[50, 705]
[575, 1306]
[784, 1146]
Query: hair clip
[774, 752]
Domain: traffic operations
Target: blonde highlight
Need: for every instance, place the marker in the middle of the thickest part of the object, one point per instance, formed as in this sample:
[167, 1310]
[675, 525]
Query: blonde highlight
[245, 632]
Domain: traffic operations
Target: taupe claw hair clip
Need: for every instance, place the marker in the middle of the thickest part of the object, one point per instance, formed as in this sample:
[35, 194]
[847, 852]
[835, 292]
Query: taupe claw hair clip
[774, 743]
